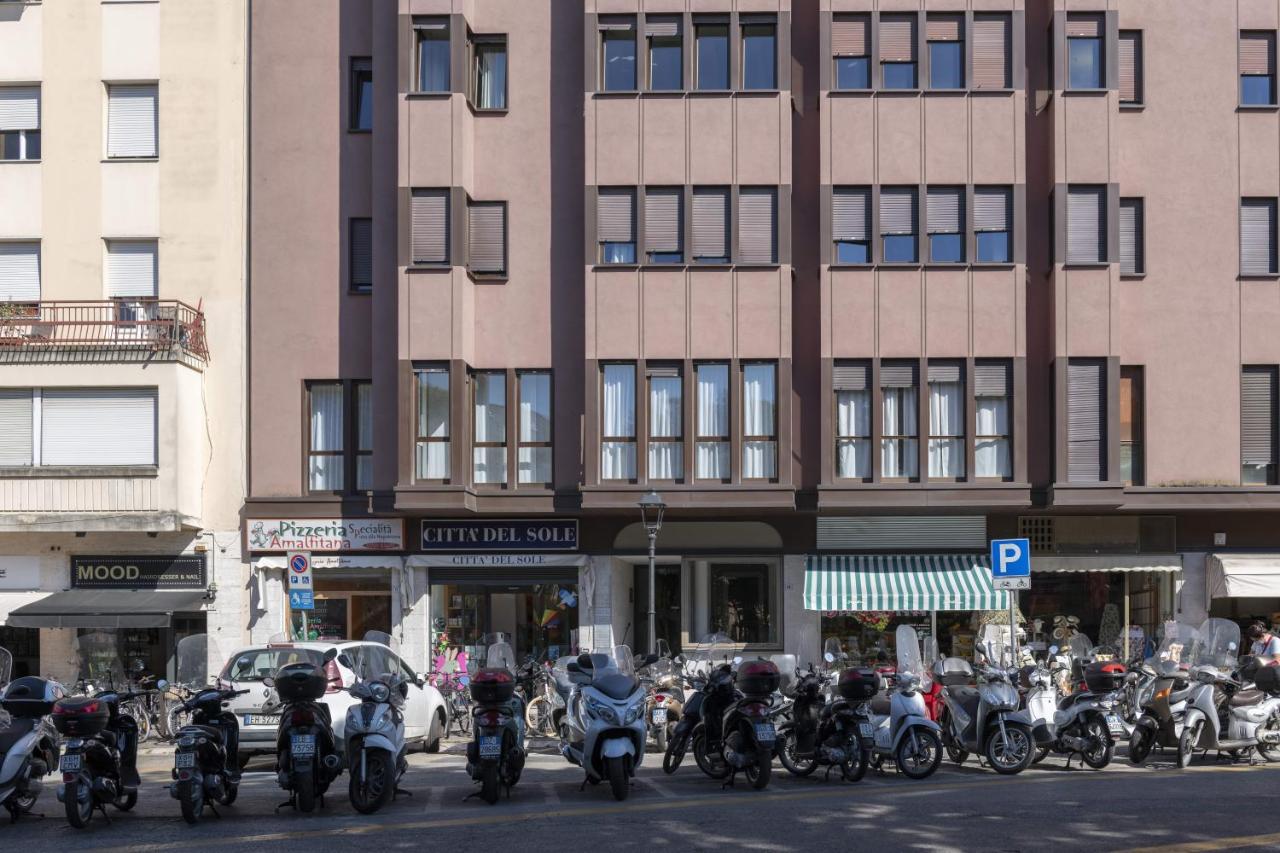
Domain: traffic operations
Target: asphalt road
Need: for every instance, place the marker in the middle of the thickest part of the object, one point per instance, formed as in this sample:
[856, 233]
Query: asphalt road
[1211, 806]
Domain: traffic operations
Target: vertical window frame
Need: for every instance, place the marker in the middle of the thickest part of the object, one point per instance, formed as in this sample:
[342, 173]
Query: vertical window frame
[724, 440]
[424, 29]
[474, 380]
[662, 371]
[1133, 433]
[841, 437]
[753, 23]
[609, 26]
[1270, 37]
[521, 444]
[962, 437]
[477, 44]
[1100, 41]
[311, 453]
[359, 68]
[421, 437]
[609, 438]
[720, 25]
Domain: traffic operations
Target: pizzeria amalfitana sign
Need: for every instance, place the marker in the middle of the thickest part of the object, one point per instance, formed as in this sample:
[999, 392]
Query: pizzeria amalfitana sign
[325, 534]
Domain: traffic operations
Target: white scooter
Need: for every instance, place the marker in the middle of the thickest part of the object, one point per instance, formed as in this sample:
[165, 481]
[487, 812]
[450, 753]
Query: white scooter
[604, 729]
[28, 741]
[374, 735]
[1084, 723]
[906, 734]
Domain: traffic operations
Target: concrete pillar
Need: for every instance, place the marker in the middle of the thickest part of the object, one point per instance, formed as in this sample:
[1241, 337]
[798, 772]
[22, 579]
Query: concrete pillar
[801, 628]
[58, 656]
[1191, 593]
[701, 599]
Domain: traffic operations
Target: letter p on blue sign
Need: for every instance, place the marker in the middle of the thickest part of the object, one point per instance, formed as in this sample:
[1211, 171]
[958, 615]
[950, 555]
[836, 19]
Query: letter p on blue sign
[1010, 560]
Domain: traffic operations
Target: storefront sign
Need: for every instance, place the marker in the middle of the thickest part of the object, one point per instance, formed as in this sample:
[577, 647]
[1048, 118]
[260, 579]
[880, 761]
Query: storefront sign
[325, 534]
[498, 560]
[20, 573]
[114, 572]
[504, 535]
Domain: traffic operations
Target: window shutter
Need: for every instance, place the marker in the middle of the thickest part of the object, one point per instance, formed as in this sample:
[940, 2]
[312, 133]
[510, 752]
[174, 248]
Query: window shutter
[1257, 236]
[131, 121]
[849, 36]
[942, 28]
[20, 108]
[1086, 237]
[1130, 52]
[662, 371]
[361, 252]
[757, 225]
[1256, 52]
[615, 216]
[1131, 260]
[429, 217]
[15, 426]
[946, 371]
[662, 225]
[1257, 415]
[991, 208]
[898, 39]
[1086, 408]
[362, 63]
[991, 379]
[899, 374]
[898, 211]
[945, 210]
[433, 24]
[991, 52]
[617, 24]
[710, 223]
[19, 272]
[486, 237]
[98, 426]
[851, 215]
[1083, 26]
[661, 27]
[851, 377]
[131, 268]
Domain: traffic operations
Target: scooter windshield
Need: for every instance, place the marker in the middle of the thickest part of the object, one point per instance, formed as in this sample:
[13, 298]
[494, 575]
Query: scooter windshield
[6, 666]
[1175, 648]
[193, 660]
[713, 650]
[98, 656]
[622, 661]
[380, 637]
[1081, 647]
[833, 655]
[500, 656]
[910, 660]
[1218, 645]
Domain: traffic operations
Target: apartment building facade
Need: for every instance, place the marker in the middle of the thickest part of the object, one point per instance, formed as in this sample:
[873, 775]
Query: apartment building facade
[121, 331]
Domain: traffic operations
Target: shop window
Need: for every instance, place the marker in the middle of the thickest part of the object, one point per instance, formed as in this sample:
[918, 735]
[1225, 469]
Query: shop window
[946, 420]
[666, 422]
[712, 448]
[618, 422]
[539, 615]
[759, 422]
[533, 457]
[666, 606]
[490, 427]
[899, 410]
[432, 445]
[744, 602]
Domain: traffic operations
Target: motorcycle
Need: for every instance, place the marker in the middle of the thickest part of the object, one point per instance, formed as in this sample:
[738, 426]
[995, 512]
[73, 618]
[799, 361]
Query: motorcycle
[835, 733]
[709, 673]
[374, 733]
[984, 719]
[496, 753]
[1164, 709]
[604, 729]
[904, 731]
[204, 764]
[307, 758]
[1255, 712]
[1084, 723]
[28, 740]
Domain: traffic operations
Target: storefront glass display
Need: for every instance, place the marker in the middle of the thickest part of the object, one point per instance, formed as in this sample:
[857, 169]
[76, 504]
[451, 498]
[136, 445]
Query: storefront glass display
[24, 645]
[744, 602]
[541, 618]
[345, 609]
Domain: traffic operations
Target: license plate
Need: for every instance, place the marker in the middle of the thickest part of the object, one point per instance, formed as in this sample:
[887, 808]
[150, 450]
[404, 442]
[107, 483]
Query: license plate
[490, 746]
[765, 733]
[70, 762]
[262, 719]
[1113, 723]
[659, 716]
[866, 730]
[184, 759]
[303, 745]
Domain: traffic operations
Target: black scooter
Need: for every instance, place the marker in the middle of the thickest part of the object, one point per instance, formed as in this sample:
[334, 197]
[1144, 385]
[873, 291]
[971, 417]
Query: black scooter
[307, 757]
[822, 733]
[204, 765]
[718, 685]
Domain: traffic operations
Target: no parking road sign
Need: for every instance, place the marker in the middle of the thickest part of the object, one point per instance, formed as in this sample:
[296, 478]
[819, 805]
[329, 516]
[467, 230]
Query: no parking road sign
[298, 571]
[1011, 563]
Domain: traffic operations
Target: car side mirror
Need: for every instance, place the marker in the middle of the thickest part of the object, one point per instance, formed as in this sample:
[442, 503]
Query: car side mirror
[345, 660]
[268, 682]
[330, 655]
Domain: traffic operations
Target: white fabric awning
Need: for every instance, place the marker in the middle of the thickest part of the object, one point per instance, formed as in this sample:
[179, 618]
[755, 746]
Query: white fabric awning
[1244, 575]
[1108, 563]
[374, 562]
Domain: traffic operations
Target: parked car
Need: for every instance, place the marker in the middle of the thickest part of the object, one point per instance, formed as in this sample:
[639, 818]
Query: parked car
[426, 715]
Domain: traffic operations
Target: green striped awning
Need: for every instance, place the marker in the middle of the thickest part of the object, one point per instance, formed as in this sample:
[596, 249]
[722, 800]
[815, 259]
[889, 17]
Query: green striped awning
[901, 582]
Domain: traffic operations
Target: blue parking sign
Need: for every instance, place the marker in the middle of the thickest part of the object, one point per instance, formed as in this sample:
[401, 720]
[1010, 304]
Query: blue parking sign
[1011, 563]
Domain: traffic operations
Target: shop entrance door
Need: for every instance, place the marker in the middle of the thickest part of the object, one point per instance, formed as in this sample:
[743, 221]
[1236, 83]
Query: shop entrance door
[666, 606]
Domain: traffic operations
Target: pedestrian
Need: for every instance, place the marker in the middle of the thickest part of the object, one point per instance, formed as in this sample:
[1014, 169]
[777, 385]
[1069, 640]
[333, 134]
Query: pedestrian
[1264, 641]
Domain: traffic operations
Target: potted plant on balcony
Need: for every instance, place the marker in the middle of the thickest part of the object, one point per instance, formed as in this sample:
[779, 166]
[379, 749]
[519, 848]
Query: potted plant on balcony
[15, 320]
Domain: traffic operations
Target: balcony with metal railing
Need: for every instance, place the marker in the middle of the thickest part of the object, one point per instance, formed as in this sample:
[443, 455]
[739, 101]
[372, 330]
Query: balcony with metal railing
[115, 330]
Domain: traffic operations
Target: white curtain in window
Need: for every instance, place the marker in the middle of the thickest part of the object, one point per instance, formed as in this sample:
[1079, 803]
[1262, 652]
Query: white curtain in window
[666, 458]
[326, 435]
[991, 453]
[534, 463]
[713, 420]
[491, 426]
[491, 77]
[433, 422]
[759, 418]
[853, 425]
[898, 456]
[946, 418]
[618, 420]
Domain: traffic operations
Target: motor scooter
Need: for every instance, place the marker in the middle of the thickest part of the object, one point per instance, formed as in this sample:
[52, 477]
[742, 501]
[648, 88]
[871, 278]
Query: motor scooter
[985, 719]
[1083, 723]
[204, 763]
[604, 729]
[307, 757]
[28, 740]
[905, 734]
[496, 754]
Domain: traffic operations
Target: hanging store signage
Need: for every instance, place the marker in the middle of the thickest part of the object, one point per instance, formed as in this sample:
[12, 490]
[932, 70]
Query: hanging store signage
[325, 534]
[154, 572]
[504, 535]
[21, 573]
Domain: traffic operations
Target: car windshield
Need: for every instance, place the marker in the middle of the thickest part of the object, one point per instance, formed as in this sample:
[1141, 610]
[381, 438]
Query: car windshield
[193, 660]
[1217, 645]
[712, 650]
[256, 664]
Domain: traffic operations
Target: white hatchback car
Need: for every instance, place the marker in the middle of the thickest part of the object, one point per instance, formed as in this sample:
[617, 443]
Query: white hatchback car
[425, 711]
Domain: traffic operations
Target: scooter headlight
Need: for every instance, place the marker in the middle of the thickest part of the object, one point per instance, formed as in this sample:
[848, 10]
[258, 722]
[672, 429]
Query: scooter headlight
[379, 692]
[601, 711]
[634, 712]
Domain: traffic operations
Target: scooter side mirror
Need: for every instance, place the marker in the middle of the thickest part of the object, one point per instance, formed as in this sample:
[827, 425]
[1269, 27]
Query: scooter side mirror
[678, 660]
[829, 658]
[572, 667]
[330, 655]
[162, 685]
[346, 661]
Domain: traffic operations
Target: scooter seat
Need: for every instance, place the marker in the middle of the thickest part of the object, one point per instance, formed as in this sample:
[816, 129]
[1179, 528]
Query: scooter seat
[615, 685]
[1067, 701]
[880, 704]
[17, 729]
[210, 732]
[1245, 698]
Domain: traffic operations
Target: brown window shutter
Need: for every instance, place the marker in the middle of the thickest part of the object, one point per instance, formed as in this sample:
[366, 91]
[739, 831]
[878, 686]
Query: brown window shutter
[899, 374]
[849, 36]
[661, 27]
[486, 237]
[662, 225]
[1084, 26]
[946, 371]
[361, 252]
[851, 214]
[710, 222]
[851, 376]
[898, 39]
[991, 58]
[1257, 53]
[946, 210]
[1130, 58]
[757, 225]
[1258, 415]
[898, 210]
[991, 379]
[991, 208]
[943, 28]
[429, 226]
[1086, 429]
[1257, 236]
[1131, 260]
[615, 215]
[1086, 225]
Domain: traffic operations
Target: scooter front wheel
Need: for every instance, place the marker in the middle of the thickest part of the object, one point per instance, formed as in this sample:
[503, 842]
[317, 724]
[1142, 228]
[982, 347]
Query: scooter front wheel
[232, 791]
[1187, 745]
[370, 790]
[616, 770]
[793, 764]
[79, 813]
[127, 801]
[918, 754]
[1010, 751]
[674, 756]
[1140, 743]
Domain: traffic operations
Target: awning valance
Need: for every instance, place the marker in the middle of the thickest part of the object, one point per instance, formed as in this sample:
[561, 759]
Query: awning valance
[901, 582]
[1107, 563]
[1244, 575]
[108, 608]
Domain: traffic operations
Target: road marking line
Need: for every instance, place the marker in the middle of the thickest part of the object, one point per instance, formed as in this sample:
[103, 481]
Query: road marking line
[549, 791]
[1213, 844]
[663, 790]
[435, 799]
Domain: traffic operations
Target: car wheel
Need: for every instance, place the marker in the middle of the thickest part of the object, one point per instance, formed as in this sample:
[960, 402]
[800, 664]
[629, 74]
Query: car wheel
[432, 745]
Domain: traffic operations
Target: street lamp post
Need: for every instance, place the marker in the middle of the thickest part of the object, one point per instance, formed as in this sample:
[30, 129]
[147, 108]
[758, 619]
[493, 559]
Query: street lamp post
[651, 509]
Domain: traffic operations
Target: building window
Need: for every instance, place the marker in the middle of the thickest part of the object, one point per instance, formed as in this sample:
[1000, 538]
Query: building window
[1086, 399]
[360, 254]
[759, 52]
[666, 54]
[431, 450]
[1131, 77]
[1257, 68]
[759, 421]
[363, 401]
[946, 224]
[489, 441]
[130, 269]
[992, 220]
[533, 454]
[131, 120]
[711, 225]
[1132, 425]
[711, 44]
[850, 49]
[898, 51]
[758, 225]
[433, 54]
[992, 387]
[946, 420]
[664, 225]
[992, 65]
[489, 72]
[711, 450]
[1258, 425]
[1084, 52]
[899, 448]
[666, 422]
[618, 54]
[20, 123]
[744, 602]
[487, 237]
[1086, 225]
[19, 274]
[898, 217]
[852, 384]
[946, 51]
[616, 225]
[1132, 237]
[618, 422]
[851, 225]
[97, 427]
[326, 459]
[361, 106]
[429, 226]
[1257, 236]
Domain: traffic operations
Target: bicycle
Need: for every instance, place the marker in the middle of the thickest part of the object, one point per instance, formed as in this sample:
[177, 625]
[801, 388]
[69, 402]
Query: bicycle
[175, 715]
[453, 689]
[539, 714]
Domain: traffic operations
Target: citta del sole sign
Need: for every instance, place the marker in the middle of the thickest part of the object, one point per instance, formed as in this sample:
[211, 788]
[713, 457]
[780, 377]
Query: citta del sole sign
[521, 534]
